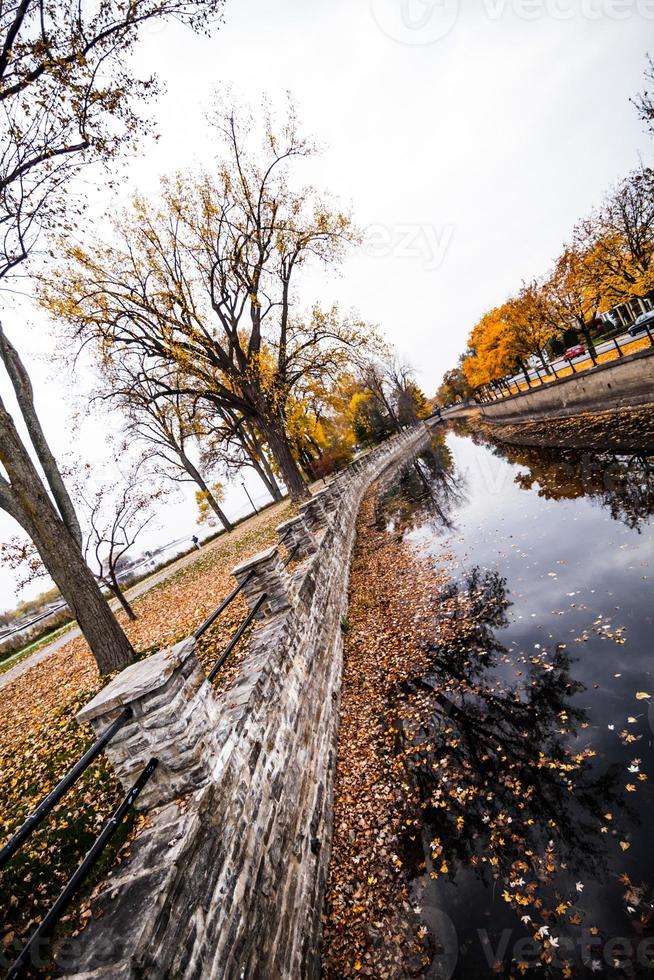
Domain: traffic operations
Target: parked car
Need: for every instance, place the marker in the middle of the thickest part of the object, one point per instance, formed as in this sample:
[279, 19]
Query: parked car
[644, 320]
[573, 352]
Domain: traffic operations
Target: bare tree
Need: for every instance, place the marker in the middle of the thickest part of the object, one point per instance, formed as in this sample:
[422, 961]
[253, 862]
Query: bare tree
[644, 101]
[232, 444]
[25, 498]
[619, 239]
[25, 397]
[410, 402]
[375, 379]
[68, 99]
[169, 426]
[116, 518]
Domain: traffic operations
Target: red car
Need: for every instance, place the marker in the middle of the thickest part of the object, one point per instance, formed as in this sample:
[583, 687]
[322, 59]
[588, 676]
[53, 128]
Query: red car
[573, 352]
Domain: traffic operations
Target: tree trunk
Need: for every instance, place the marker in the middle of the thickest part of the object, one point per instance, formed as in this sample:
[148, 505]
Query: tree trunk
[112, 583]
[25, 398]
[28, 502]
[391, 414]
[255, 452]
[589, 343]
[275, 436]
[262, 468]
[213, 503]
[543, 362]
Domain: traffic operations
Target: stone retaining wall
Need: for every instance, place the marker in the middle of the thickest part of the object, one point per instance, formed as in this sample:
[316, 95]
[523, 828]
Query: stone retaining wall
[623, 383]
[228, 877]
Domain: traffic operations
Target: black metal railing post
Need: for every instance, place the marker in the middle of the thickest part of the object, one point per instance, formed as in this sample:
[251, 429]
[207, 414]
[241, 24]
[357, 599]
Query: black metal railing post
[46, 926]
[237, 636]
[291, 555]
[62, 787]
[221, 608]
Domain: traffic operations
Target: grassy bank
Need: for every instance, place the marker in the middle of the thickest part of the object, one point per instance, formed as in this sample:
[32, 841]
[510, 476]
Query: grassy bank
[10, 657]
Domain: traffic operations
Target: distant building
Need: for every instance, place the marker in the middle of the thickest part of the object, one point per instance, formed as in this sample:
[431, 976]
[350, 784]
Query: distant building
[625, 313]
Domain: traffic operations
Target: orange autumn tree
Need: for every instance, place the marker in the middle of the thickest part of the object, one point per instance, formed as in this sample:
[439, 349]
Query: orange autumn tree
[530, 318]
[491, 349]
[319, 426]
[575, 291]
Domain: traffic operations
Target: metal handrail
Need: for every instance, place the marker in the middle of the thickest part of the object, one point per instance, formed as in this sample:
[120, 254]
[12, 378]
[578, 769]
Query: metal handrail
[47, 804]
[291, 555]
[237, 636]
[45, 927]
[221, 608]
[285, 535]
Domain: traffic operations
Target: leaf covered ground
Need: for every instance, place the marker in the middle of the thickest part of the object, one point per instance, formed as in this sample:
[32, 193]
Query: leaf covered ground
[40, 739]
[624, 430]
[371, 928]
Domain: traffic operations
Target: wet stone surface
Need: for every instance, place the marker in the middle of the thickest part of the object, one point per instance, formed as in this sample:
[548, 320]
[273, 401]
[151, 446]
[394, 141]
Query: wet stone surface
[524, 739]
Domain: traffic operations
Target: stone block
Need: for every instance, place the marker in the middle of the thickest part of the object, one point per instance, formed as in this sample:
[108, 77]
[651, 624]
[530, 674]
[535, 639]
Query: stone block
[174, 710]
[265, 574]
[236, 875]
[296, 535]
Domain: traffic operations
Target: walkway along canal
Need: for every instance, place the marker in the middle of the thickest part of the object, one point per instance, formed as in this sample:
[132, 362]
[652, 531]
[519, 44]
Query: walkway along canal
[493, 795]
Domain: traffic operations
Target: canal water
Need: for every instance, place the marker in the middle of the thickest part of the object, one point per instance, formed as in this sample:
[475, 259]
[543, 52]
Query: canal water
[527, 744]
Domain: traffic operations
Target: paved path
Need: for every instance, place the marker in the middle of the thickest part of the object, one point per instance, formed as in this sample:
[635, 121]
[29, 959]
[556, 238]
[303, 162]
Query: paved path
[144, 586]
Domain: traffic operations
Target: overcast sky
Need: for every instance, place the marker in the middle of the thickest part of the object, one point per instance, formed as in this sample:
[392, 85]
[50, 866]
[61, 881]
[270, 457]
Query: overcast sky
[467, 142]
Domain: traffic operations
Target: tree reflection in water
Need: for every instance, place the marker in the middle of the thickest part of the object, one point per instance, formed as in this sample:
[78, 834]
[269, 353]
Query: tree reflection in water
[424, 493]
[624, 484]
[494, 778]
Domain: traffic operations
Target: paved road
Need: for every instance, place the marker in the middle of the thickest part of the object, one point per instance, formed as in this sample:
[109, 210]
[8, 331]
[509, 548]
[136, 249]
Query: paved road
[144, 586]
[559, 364]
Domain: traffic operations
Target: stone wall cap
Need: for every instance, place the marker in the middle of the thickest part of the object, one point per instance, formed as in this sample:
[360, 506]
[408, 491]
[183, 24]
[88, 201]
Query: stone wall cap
[291, 522]
[138, 679]
[249, 563]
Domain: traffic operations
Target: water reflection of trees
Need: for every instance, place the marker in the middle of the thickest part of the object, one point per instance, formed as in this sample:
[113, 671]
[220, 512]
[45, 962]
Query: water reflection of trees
[489, 759]
[425, 492]
[624, 484]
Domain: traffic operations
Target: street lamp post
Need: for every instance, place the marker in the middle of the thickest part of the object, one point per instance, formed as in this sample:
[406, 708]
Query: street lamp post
[250, 499]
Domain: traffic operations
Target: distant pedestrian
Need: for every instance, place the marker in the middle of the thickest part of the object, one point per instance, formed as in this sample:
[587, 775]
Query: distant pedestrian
[196, 541]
